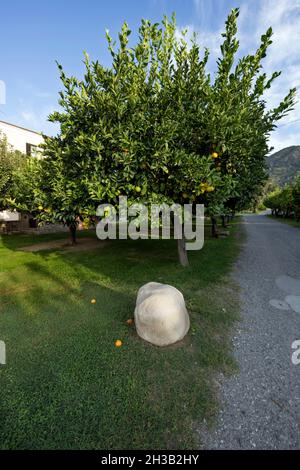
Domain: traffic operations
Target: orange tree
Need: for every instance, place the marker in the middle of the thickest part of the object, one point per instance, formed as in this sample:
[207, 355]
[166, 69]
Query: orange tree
[154, 127]
[238, 121]
[124, 130]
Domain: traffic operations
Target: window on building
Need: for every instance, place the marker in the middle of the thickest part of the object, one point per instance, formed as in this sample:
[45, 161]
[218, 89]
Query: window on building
[28, 149]
[32, 150]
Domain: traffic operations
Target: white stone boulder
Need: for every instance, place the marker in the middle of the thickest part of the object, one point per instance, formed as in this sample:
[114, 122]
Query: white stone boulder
[160, 314]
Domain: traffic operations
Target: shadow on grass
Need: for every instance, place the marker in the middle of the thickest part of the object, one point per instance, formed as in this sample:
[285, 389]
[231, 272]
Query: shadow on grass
[65, 384]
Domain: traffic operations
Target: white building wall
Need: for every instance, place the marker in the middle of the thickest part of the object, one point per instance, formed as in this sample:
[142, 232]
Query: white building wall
[8, 216]
[18, 137]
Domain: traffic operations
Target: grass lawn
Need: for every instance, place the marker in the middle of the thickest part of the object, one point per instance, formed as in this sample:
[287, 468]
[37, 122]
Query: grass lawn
[293, 222]
[66, 385]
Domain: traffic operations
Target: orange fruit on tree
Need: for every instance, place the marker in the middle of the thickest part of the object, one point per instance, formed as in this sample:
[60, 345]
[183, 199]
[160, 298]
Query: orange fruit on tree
[214, 155]
[118, 343]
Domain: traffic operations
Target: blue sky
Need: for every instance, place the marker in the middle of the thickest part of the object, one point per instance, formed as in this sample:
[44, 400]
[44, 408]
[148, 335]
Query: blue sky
[34, 34]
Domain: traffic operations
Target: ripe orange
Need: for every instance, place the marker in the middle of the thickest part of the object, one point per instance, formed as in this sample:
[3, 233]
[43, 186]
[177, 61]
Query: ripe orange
[129, 321]
[118, 343]
[93, 301]
[214, 155]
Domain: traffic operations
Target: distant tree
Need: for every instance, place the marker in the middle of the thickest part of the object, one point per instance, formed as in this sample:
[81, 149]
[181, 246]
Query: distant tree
[10, 161]
[266, 188]
[43, 189]
[25, 188]
[296, 195]
[285, 202]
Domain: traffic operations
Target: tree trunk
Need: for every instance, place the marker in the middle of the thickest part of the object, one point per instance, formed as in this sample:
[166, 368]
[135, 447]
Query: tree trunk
[72, 229]
[182, 253]
[214, 228]
[224, 221]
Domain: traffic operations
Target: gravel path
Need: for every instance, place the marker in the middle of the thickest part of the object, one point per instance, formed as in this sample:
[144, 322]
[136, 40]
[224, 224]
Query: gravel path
[261, 405]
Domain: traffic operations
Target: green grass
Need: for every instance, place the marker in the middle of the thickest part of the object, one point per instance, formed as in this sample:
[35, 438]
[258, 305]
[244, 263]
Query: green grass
[67, 386]
[293, 222]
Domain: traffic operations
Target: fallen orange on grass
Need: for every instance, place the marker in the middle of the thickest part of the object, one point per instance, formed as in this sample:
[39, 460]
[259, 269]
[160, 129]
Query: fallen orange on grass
[118, 343]
[129, 321]
[93, 301]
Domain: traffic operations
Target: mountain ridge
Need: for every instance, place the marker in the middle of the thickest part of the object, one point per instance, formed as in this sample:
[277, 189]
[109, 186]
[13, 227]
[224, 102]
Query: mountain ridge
[284, 164]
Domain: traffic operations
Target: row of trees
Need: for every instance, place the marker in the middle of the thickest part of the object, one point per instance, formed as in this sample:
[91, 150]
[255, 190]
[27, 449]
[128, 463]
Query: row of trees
[155, 126]
[285, 202]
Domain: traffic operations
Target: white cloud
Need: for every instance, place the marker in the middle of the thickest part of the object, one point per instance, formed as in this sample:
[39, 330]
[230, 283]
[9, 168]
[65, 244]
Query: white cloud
[203, 9]
[208, 39]
[36, 119]
[280, 140]
[29, 117]
[284, 55]
[276, 12]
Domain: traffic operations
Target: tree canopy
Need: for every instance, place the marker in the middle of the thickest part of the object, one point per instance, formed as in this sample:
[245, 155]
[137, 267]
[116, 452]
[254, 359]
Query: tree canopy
[156, 127]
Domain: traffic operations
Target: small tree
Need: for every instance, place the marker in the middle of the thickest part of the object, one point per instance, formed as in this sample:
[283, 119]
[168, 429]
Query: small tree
[266, 188]
[285, 202]
[10, 161]
[296, 196]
